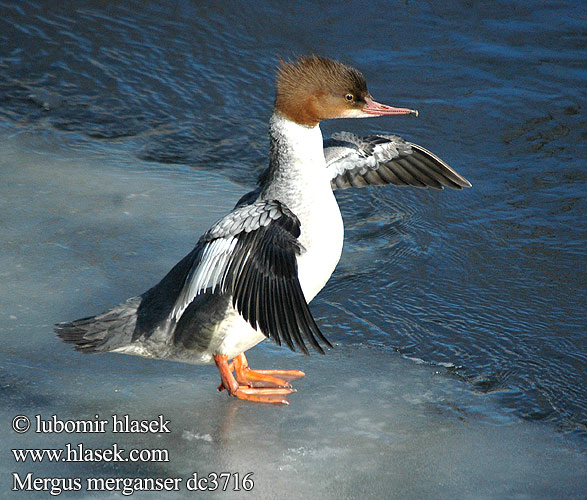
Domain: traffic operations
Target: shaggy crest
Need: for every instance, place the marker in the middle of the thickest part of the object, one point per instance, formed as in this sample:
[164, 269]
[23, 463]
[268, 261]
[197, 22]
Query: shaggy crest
[313, 88]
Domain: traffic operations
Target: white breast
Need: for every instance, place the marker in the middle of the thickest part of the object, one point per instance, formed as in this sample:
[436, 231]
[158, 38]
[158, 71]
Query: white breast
[322, 234]
[303, 184]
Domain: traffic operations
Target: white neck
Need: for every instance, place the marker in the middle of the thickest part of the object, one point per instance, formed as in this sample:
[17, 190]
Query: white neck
[297, 165]
[295, 146]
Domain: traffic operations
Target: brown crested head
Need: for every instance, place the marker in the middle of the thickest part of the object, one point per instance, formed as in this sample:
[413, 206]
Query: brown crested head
[311, 89]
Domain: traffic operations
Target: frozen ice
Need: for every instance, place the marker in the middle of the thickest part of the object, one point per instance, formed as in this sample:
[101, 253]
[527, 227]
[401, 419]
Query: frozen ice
[84, 228]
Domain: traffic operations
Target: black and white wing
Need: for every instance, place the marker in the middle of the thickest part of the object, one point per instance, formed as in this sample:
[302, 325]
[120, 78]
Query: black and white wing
[251, 255]
[377, 160]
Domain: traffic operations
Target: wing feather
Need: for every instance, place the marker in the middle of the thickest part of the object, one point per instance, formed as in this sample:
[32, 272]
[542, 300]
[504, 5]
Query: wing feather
[251, 255]
[376, 160]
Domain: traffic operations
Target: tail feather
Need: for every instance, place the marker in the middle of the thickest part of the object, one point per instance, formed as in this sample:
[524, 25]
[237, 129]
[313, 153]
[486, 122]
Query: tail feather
[104, 332]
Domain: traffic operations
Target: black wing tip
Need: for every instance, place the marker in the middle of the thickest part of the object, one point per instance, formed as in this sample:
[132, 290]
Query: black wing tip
[317, 348]
[320, 350]
[319, 335]
[453, 179]
[459, 184]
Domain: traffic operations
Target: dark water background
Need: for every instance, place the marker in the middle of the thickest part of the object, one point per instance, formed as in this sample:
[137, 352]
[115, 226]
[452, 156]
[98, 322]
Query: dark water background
[486, 286]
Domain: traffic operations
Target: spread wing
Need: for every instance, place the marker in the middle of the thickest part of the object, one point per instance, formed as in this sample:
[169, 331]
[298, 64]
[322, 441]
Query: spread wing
[376, 160]
[251, 255]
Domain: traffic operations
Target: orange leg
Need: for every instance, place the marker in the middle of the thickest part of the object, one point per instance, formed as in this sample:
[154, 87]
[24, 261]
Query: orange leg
[263, 386]
[262, 378]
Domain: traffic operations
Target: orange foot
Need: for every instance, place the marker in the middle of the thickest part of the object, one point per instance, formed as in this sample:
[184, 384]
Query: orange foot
[262, 386]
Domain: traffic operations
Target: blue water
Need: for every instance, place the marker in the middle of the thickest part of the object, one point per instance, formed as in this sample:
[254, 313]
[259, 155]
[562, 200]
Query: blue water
[458, 317]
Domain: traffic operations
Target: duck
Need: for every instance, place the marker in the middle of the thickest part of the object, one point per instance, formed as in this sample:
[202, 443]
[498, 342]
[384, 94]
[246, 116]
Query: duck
[252, 275]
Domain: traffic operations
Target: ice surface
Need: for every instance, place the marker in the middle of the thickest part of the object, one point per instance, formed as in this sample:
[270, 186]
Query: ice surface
[82, 229]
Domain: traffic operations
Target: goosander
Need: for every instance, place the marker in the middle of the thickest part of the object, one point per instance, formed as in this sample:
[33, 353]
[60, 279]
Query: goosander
[253, 273]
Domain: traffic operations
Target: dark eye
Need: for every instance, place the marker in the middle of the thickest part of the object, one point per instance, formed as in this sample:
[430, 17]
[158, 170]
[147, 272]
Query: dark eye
[349, 97]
